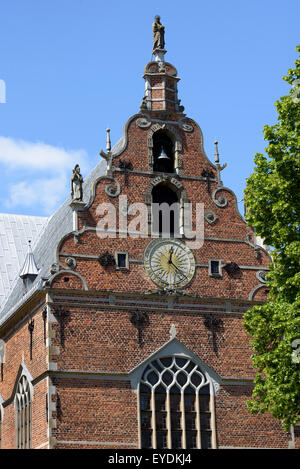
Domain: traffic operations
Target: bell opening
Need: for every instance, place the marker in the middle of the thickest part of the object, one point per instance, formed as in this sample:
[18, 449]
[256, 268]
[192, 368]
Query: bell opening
[163, 153]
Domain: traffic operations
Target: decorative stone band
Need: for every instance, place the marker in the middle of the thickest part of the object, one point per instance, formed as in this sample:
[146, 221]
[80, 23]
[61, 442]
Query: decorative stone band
[145, 121]
[151, 301]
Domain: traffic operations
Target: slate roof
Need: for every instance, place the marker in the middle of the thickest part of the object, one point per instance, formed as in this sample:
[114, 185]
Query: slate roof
[15, 232]
[48, 233]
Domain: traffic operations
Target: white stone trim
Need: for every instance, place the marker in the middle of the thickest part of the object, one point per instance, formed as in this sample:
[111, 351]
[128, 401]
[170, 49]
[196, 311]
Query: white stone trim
[126, 254]
[95, 443]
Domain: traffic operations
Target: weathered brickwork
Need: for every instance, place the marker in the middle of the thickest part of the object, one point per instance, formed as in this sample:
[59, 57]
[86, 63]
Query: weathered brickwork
[106, 410]
[87, 351]
[237, 428]
[19, 361]
[105, 340]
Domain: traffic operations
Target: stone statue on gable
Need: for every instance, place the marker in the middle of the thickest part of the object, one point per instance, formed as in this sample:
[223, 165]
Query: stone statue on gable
[158, 34]
[76, 184]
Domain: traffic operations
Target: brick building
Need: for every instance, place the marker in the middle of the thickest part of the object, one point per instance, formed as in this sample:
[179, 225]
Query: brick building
[119, 336]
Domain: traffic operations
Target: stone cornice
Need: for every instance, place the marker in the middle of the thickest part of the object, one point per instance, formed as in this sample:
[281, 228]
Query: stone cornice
[34, 302]
[150, 301]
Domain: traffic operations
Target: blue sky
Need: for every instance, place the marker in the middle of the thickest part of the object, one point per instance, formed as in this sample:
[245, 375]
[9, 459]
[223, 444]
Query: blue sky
[73, 67]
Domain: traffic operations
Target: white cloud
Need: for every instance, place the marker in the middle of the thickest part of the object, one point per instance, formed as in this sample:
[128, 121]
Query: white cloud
[19, 154]
[48, 171]
[45, 193]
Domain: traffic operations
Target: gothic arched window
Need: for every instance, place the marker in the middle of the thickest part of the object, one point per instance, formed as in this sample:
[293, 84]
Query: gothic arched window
[23, 414]
[175, 405]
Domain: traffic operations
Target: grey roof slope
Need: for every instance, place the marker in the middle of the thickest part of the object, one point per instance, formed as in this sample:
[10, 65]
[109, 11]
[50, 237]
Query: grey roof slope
[15, 232]
[58, 225]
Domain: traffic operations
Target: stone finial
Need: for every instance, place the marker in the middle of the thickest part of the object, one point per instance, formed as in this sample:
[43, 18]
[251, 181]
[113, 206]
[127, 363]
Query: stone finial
[29, 268]
[108, 155]
[173, 331]
[218, 166]
[108, 142]
[216, 152]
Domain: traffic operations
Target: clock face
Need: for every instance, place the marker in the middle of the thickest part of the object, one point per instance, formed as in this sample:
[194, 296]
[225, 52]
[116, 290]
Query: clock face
[169, 263]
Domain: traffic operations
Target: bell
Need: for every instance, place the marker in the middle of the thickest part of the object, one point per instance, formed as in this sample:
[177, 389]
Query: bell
[163, 157]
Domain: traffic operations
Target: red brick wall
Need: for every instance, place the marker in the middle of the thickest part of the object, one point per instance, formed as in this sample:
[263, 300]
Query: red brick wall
[96, 410]
[106, 340]
[18, 350]
[237, 428]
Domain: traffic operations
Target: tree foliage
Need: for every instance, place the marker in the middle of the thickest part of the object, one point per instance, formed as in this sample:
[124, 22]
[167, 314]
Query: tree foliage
[273, 209]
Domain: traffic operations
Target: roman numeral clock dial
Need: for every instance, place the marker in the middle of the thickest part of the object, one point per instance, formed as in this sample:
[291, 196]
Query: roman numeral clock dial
[169, 263]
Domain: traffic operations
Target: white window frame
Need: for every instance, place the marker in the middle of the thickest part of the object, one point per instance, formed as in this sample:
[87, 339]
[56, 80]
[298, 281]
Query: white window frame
[126, 267]
[212, 274]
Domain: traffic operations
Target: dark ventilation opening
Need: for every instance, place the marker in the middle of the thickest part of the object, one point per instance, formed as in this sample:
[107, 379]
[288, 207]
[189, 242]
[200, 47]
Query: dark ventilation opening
[121, 260]
[165, 217]
[215, 267]
[163, 153]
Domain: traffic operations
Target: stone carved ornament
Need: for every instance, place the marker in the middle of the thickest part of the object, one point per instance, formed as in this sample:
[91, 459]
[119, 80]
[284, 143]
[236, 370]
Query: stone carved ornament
[158, 30]
[145, 122]
[221, 201]
[76, 184]
[210, 217]
[261, 276]
[71, 262]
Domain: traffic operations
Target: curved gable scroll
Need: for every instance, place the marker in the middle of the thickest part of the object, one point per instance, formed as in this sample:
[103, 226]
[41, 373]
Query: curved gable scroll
[59, 278]
[176, 139]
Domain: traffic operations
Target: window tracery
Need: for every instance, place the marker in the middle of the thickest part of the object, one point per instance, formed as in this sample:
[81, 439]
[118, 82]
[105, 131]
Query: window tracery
[23, 413]
[175, 405]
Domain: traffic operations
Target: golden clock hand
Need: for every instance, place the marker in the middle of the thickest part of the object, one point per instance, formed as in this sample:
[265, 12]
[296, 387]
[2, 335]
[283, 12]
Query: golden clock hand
[171, 252]
[179, 270]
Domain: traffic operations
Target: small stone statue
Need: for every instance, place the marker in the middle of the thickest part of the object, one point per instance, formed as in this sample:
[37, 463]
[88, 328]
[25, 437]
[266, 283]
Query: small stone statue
[76, 184]
[158, 34]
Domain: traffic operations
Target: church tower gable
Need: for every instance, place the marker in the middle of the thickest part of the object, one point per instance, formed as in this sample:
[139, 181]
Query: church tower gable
[160, 159]
[132, 327]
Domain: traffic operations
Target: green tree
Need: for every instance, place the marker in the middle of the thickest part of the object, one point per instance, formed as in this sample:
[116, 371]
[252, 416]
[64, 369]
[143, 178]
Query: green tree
[273, 209]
